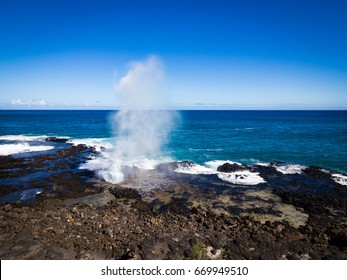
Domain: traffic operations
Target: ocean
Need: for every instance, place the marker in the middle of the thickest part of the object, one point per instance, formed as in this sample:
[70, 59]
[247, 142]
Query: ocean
[308, 138]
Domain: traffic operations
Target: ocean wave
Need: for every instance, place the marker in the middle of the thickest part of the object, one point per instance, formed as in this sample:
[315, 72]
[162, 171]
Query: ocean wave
[99, 144]
[340, 179]
[245, 177]
[284, 168]
[104, 161]
[265, 164]
[192, 168]
[206, 150]
[289, 168]
[23, 138]
[106, 168]
[112, 167]
[209, 167]
[11, 149]
[245, 128]
[242, 178]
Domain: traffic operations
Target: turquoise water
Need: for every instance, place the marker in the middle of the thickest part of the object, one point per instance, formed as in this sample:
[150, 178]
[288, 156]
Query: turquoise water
[304, 137]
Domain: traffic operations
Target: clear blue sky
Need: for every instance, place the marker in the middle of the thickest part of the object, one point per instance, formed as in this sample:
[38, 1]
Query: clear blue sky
[217, 54]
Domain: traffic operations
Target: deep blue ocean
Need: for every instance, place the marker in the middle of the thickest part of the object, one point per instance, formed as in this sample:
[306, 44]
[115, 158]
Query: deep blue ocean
[303, 137]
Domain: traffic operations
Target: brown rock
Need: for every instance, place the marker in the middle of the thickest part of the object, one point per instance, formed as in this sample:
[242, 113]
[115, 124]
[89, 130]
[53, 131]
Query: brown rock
[8, 207]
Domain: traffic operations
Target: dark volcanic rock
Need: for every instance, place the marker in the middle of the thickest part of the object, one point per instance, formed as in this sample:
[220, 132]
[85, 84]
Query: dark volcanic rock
[121, 192]
[49, 229]
[230, 167]
[316, 172]
[339, 238]
[191, 217]
[56, 139]
[53, 174]
[6, 190]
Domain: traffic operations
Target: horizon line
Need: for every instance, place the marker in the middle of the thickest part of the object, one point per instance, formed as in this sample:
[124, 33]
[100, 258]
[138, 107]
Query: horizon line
[176, 109]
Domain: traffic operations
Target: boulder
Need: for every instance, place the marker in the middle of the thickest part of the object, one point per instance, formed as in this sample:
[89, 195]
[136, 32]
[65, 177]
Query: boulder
[230, 167]
[316, 172]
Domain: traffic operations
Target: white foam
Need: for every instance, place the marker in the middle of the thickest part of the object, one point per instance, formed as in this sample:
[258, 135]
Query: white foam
[23, 138]
[340, 179]
[30, 193]
[11, 149]
[266, 164]
[194, 169]
[110, 166]
[290, 168]
[147, 163]
[96, 163]
[242, 177]
[98, 143]
[105, 168]
[113, 173]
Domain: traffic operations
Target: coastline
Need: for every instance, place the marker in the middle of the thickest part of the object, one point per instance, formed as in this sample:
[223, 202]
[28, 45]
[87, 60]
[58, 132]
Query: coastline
[190, 216]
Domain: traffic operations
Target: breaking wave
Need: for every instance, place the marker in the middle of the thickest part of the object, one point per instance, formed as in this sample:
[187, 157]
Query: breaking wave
[289, 168]
[244, 177]
[340, 179]
[113, 168]
[11, 149]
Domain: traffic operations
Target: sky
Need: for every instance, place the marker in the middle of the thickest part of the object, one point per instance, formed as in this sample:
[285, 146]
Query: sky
[215, 54]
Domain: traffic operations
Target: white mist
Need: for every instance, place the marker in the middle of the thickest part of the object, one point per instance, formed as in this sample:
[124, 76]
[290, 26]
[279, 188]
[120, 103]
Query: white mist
[143, 124]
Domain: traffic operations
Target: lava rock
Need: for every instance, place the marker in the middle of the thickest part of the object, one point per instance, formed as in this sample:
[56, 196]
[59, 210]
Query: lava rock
[316, 172]
[230, 167]
[55, 139]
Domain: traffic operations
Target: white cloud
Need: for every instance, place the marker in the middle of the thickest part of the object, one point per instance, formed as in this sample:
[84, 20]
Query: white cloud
[16, 102]
[32, 102]
[40, 102]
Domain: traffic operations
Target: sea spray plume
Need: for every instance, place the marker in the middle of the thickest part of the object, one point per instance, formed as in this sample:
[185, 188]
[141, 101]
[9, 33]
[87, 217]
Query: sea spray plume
[142, 133]
[143, 87]
[143, 125]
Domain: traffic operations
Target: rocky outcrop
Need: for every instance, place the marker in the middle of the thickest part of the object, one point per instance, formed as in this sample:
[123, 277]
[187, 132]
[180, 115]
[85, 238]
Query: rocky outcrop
[56, 139]
[77, 216]
[230, 167]
[127, 228]
[316, 172]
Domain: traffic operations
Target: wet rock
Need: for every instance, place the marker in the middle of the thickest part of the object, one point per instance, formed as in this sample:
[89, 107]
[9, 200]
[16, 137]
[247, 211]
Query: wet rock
[23, 216]
[56, 139]
[315, 255]
[316, 172]
[339, 239]
[4, 189]
[121, 192]
[8, 207]
[293, 256]
[230, 167]
[189, 217]
[279, 228]
[100, 199]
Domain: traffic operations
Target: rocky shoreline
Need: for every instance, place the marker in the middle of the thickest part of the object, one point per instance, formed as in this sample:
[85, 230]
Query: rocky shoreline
[77, 216]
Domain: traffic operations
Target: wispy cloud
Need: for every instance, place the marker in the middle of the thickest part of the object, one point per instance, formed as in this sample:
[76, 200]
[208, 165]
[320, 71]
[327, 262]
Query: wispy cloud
[32, 102]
